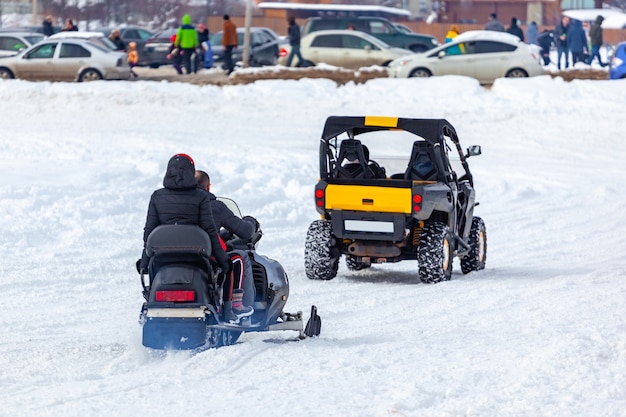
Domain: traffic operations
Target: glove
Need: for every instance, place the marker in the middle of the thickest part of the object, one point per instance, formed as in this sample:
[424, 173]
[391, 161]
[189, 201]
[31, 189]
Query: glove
[252, 220]
[225, 266]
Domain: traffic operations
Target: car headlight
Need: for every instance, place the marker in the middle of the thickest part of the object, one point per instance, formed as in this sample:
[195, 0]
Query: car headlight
[399, 62]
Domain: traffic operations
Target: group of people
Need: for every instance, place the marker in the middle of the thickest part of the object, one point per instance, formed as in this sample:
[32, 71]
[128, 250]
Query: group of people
[568, 37]
[186, 198]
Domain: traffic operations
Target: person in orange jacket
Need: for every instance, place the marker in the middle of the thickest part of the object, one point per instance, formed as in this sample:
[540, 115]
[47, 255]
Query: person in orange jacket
[132, 57]
[229, 42]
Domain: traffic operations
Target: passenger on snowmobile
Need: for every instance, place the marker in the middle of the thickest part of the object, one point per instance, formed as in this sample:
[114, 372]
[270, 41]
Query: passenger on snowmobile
[239, 292]
[182, 201]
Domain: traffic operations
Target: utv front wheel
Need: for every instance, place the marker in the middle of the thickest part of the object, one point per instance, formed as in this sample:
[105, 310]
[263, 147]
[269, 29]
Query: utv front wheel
[477, 256]
[321, 257]
[434, 253]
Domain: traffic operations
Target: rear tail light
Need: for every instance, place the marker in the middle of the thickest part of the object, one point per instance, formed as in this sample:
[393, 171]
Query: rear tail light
[178, 296]
[320, 195]
[417, 203]
[283, 53]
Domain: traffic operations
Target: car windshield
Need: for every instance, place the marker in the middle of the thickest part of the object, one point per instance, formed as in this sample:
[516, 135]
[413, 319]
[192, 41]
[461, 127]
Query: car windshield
[33, 39]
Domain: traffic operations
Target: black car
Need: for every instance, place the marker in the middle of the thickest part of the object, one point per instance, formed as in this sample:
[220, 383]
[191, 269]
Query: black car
[264, 48]
[135, 34]
[157, 47]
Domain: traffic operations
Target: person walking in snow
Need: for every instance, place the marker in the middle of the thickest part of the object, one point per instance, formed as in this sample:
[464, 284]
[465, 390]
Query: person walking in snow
[494, 24]
[230, 41]
[238, 291]
[294, 41]
[174, 55]
[577, 41]
[545, 41]
[132, 57]
[532, 32]
[560, 40]
[187, 41]
[515, 30]
[595, 38]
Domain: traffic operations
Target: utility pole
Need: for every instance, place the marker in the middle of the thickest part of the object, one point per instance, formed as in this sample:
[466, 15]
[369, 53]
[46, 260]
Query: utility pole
[34, 12]
[246, 35]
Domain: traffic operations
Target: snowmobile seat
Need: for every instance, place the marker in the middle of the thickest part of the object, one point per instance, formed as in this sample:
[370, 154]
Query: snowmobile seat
[422, 166]
[178, 239]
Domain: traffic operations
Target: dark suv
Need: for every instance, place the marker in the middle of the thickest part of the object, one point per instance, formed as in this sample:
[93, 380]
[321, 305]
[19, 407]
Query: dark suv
[379, 27]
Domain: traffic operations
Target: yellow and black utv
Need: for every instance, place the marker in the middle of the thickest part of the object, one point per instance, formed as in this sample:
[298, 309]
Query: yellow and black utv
[388, 208]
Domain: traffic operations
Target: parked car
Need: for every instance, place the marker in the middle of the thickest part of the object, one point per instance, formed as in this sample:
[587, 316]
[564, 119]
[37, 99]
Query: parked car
[136, 34]
[617, 62]
[36, 29]
[96, 37]
[343, 48]
[156, 49]
[13, 42]
[379, 27]
[484, 55]
[65, 60]
[403, 28]
[263, 47]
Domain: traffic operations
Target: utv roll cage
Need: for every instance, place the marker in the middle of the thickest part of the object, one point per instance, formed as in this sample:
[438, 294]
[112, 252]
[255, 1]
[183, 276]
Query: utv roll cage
[432, 149]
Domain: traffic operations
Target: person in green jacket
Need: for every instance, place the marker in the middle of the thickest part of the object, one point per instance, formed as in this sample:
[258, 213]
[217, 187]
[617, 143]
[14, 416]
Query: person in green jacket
[187, 41]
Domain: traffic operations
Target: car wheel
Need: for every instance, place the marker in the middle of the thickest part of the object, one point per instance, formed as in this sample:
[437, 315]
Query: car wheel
[6, 74]
[434, 253]
[418, 48]
[477, 256]
[517, 73]
[420, 73]
[90, 75]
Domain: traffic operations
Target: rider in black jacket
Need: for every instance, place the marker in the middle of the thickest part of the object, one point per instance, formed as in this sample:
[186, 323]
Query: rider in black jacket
[240, 290]
[181, 201]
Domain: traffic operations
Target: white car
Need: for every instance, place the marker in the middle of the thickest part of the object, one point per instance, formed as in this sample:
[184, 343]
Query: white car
[481, 54]
[65, 60]
[13, 42]
[96, 37]
[343, 48]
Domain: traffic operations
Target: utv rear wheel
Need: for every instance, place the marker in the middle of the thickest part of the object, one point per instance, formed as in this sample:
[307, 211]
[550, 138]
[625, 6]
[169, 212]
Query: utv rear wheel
[477, 256]
[434, 253]
[354, 265]
[321, 257]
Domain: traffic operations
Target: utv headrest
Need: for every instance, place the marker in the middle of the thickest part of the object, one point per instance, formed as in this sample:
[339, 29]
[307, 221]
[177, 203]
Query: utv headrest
[178, 238]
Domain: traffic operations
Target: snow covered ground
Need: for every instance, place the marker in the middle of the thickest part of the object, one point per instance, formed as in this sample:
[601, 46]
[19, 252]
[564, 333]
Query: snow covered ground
[540, 332]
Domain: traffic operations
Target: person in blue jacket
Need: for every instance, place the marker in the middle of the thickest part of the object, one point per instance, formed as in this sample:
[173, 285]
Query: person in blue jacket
[577, 41]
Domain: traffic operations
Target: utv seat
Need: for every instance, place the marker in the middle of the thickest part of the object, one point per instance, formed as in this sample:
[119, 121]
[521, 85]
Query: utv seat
[422, 166]
[356, 167]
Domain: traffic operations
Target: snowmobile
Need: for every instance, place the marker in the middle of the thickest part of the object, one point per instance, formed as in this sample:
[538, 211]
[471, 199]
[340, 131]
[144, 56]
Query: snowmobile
[184, 307]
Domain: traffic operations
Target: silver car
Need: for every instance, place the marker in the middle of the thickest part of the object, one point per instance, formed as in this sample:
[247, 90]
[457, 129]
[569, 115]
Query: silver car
[481, 54]
[344, 48]
[66, 60]
[12, 43]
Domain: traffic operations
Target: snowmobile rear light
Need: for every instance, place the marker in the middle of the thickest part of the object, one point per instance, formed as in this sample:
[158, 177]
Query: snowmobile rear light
[176, 296]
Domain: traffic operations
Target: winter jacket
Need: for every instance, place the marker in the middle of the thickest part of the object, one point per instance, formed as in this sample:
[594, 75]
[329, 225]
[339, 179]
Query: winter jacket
[560, 35]
[203, 36]
[48, 30]
[495, 24]
[576, 38]
[595, 32]
[515, 30]
[119, 43]
[229, 34]
[181, 201]
[531, 33]
[294, 34]
[187, 37]
[224, 217]
[545, 40]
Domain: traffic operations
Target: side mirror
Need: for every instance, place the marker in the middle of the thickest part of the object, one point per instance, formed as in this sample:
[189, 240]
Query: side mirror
[473, 150]
[441, 54]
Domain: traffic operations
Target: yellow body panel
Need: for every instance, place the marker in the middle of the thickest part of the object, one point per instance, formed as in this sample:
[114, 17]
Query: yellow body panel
[382, 121]
[368, 198]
